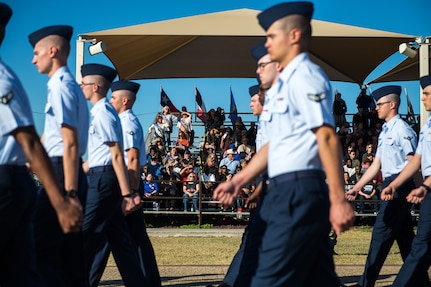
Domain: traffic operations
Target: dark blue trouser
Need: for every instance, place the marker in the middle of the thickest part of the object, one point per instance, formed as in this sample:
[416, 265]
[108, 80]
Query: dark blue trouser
[295, 248]
[244, 263]
[393, 223]
[59, 256]
[104, 222]
[419, 260]
[17, 252]
[138, 231]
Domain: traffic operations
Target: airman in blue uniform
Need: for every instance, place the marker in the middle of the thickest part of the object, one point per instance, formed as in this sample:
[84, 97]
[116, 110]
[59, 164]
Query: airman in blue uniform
[122, 99]
[417, 263]
[298, 208]
[244, 263]
[396, 146]
[110, 197]
[20, 145]
[59, 256]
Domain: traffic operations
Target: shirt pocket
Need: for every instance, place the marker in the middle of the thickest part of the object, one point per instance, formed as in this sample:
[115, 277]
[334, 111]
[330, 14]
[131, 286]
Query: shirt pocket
[280, 106]
[390, 142]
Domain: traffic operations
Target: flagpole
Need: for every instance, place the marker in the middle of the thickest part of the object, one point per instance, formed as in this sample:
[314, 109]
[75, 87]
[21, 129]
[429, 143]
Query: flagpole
[195, 101]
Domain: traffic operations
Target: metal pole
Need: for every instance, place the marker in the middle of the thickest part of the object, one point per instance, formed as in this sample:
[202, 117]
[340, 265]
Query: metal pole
[424, 69]
[80, 44]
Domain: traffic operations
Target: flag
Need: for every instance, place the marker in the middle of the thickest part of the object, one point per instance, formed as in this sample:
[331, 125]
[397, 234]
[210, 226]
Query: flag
[165, 101]
[233, 114]
[410, 113]
[201, 107]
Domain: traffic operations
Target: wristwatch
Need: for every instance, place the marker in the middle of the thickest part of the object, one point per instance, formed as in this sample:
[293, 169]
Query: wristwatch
[427, 188]
[73, 193]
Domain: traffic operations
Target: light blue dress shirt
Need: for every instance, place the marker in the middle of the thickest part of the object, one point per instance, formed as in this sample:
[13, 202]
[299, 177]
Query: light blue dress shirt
[65, 104]
[424, 148]
[105, 127]
[262, 133]
[15, 112]
[302, 102]
[133, 135]
[396, 140]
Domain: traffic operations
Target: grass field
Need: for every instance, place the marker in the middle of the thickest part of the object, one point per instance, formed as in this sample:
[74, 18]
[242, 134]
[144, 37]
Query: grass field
[352, 248]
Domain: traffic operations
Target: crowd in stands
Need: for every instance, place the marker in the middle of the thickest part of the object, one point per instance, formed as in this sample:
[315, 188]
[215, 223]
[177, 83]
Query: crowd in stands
[179, 169]
[225, 150]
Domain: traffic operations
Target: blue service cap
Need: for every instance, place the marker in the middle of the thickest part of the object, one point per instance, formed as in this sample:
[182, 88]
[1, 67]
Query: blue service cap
[125, 85]
[258, 50]
[425, 81]
[64, 31]
[5, 14]
[272, 14]
[98, 69]
[386, 90]
[253, 90]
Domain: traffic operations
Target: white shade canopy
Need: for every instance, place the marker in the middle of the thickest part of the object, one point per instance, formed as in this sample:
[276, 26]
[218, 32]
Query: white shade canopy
[216, 45]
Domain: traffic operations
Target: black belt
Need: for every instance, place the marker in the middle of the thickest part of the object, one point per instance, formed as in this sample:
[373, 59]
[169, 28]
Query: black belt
[295, 175]
[59, 159]
[13, 168]
[391, 177]
[56, 159]
[101, 169]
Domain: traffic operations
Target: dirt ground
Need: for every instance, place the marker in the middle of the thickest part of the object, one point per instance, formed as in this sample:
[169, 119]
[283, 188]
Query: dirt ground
[196, 276]
[202, 275]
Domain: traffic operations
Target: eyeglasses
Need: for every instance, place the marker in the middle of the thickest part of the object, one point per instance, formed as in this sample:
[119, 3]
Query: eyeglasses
[263, 64]
[382, 103]
[85, 84]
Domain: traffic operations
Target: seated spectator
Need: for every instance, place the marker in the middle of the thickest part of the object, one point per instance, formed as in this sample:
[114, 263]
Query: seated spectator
[245, 193]
[144, 172]
[161, 149]
[207, 149]
[355, 160]
[170, 187]
[158, 128]
[152, 152]
[251, 134]
[186, 170]
[209, 175]
[369, 192]
[212, 120]
[369, 151]
[213, 137]
[251, 154]
[230, 162]
[366, 162]
[182, 143]
[155, 168]
[356, 176]
[348, 167]
[150, 187]
[221, 175]
[172, 157]
[226, 140]
[244, 148]
[347, 184]
[187, 159]
[191, 190]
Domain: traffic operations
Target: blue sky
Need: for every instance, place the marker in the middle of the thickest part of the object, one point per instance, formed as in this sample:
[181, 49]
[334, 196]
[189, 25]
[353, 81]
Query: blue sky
[407, 17]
